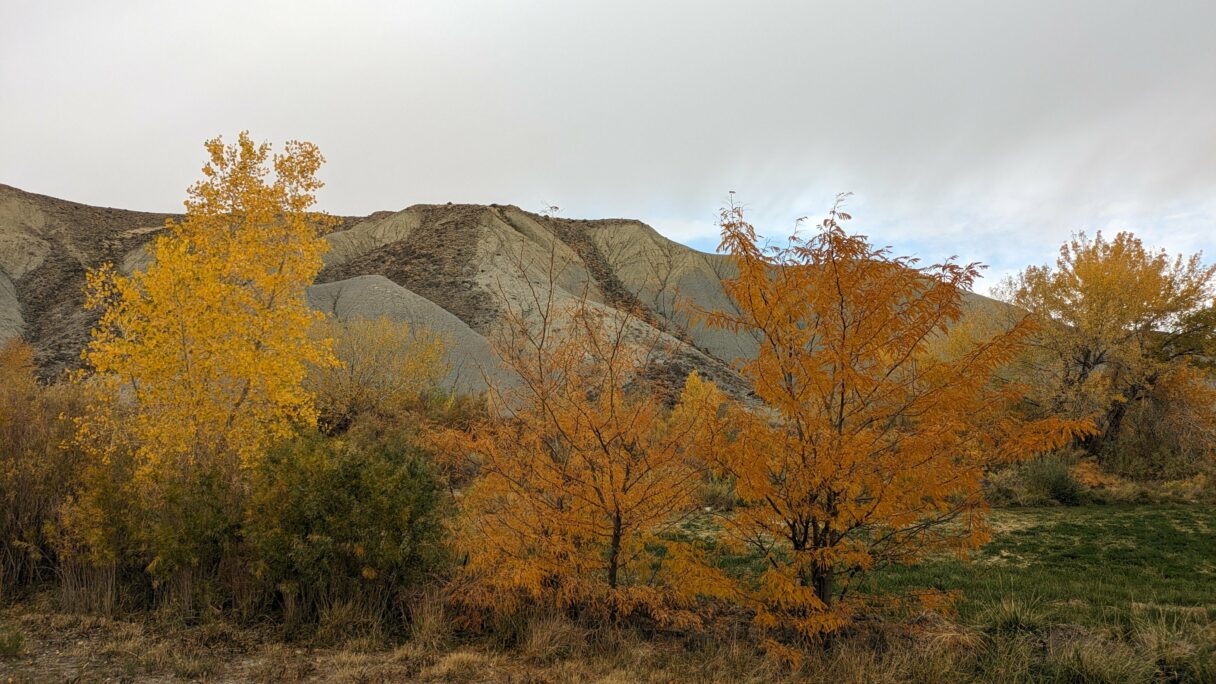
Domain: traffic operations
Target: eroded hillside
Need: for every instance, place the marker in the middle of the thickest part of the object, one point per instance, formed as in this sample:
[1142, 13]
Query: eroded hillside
[453, 268]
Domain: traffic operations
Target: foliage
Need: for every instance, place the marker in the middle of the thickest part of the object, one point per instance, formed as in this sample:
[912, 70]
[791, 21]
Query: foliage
[1051, 480]
[35, 472]
[580, 467]
[1123, 329]
[1171, 433]
[1105, 605]
[210, 343]
[385, 366]
[870, 449]
[197, 363]
[329, 519]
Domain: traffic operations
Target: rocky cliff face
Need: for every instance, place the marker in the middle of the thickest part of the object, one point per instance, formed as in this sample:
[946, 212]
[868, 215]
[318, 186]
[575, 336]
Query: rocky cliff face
[454, 268]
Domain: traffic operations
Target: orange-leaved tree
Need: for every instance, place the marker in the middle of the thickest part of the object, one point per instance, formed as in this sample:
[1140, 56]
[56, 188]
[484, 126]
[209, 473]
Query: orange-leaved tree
[580, 468]
[198, 360]
[868, 448]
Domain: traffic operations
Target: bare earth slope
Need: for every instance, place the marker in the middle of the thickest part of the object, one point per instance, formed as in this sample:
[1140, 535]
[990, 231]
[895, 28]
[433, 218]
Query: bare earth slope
[46, 246]
[453, 268]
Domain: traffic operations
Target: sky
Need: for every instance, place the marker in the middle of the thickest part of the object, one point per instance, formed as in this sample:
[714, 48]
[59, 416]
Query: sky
[990, 131]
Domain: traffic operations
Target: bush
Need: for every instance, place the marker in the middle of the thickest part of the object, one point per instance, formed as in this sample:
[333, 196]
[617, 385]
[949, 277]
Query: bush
[36, 471]
[387, 366]
[192, 529]
[1044, 481]
[1049, 478]
[330, 522]
[98, 536]
[717, 493]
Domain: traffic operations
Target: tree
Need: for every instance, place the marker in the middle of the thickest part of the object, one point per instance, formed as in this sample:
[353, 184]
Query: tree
[211, 343]
[1117, 320]
[199, 360]
[384, 365]
[580, 466]
[868, 449]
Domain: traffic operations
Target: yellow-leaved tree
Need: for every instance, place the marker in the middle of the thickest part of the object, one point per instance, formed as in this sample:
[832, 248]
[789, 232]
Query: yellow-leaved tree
[1122, 329]
[868, 448]
[198, 360]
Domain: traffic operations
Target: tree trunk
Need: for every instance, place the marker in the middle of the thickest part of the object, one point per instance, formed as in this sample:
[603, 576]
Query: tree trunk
[1112, 424]
[614, 552]
[824, 589]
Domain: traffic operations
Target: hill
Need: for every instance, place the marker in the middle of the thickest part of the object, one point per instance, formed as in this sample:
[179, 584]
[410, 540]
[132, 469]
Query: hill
[454, 268]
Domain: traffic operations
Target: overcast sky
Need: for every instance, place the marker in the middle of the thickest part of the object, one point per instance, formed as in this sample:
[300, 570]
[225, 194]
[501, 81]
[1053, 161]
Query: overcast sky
[990, 130]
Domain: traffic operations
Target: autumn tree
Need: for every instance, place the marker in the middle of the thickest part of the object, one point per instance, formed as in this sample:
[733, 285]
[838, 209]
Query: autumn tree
[1122, 326]
[867, 448]
[200, 358]
[384, 365]
[580, 466]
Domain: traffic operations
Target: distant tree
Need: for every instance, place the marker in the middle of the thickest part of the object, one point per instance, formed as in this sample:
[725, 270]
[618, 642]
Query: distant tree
[1116, 321]
[868, 448]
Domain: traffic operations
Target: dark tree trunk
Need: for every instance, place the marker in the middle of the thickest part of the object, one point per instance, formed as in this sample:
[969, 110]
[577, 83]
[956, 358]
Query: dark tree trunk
[824, 581]
[1111, 425]
[614, 552]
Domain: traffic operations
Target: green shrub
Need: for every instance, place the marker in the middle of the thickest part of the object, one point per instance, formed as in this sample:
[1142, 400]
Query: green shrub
[330, 522]
[192, 529]
[1049, 478]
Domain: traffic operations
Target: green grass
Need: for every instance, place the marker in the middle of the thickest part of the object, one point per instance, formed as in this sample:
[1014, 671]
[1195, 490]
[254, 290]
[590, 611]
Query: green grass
[1092, 565]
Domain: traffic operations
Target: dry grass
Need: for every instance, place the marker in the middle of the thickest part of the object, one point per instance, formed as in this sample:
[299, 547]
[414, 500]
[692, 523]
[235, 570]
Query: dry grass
[551, 649]
[430, 626]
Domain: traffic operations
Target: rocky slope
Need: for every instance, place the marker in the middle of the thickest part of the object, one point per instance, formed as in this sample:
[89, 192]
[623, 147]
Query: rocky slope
[453, 268]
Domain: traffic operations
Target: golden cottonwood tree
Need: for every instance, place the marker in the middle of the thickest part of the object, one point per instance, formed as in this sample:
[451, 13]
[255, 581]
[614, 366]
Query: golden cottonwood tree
[197, 364]
[208, 346]
[1117, 320]
[580, 467]
[868, 449]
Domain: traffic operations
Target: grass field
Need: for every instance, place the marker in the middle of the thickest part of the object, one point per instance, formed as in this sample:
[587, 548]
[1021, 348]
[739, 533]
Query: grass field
[1085, 594]
[1096, 566]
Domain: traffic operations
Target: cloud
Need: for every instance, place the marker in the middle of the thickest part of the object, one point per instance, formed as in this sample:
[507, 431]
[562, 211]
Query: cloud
[987, 130]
